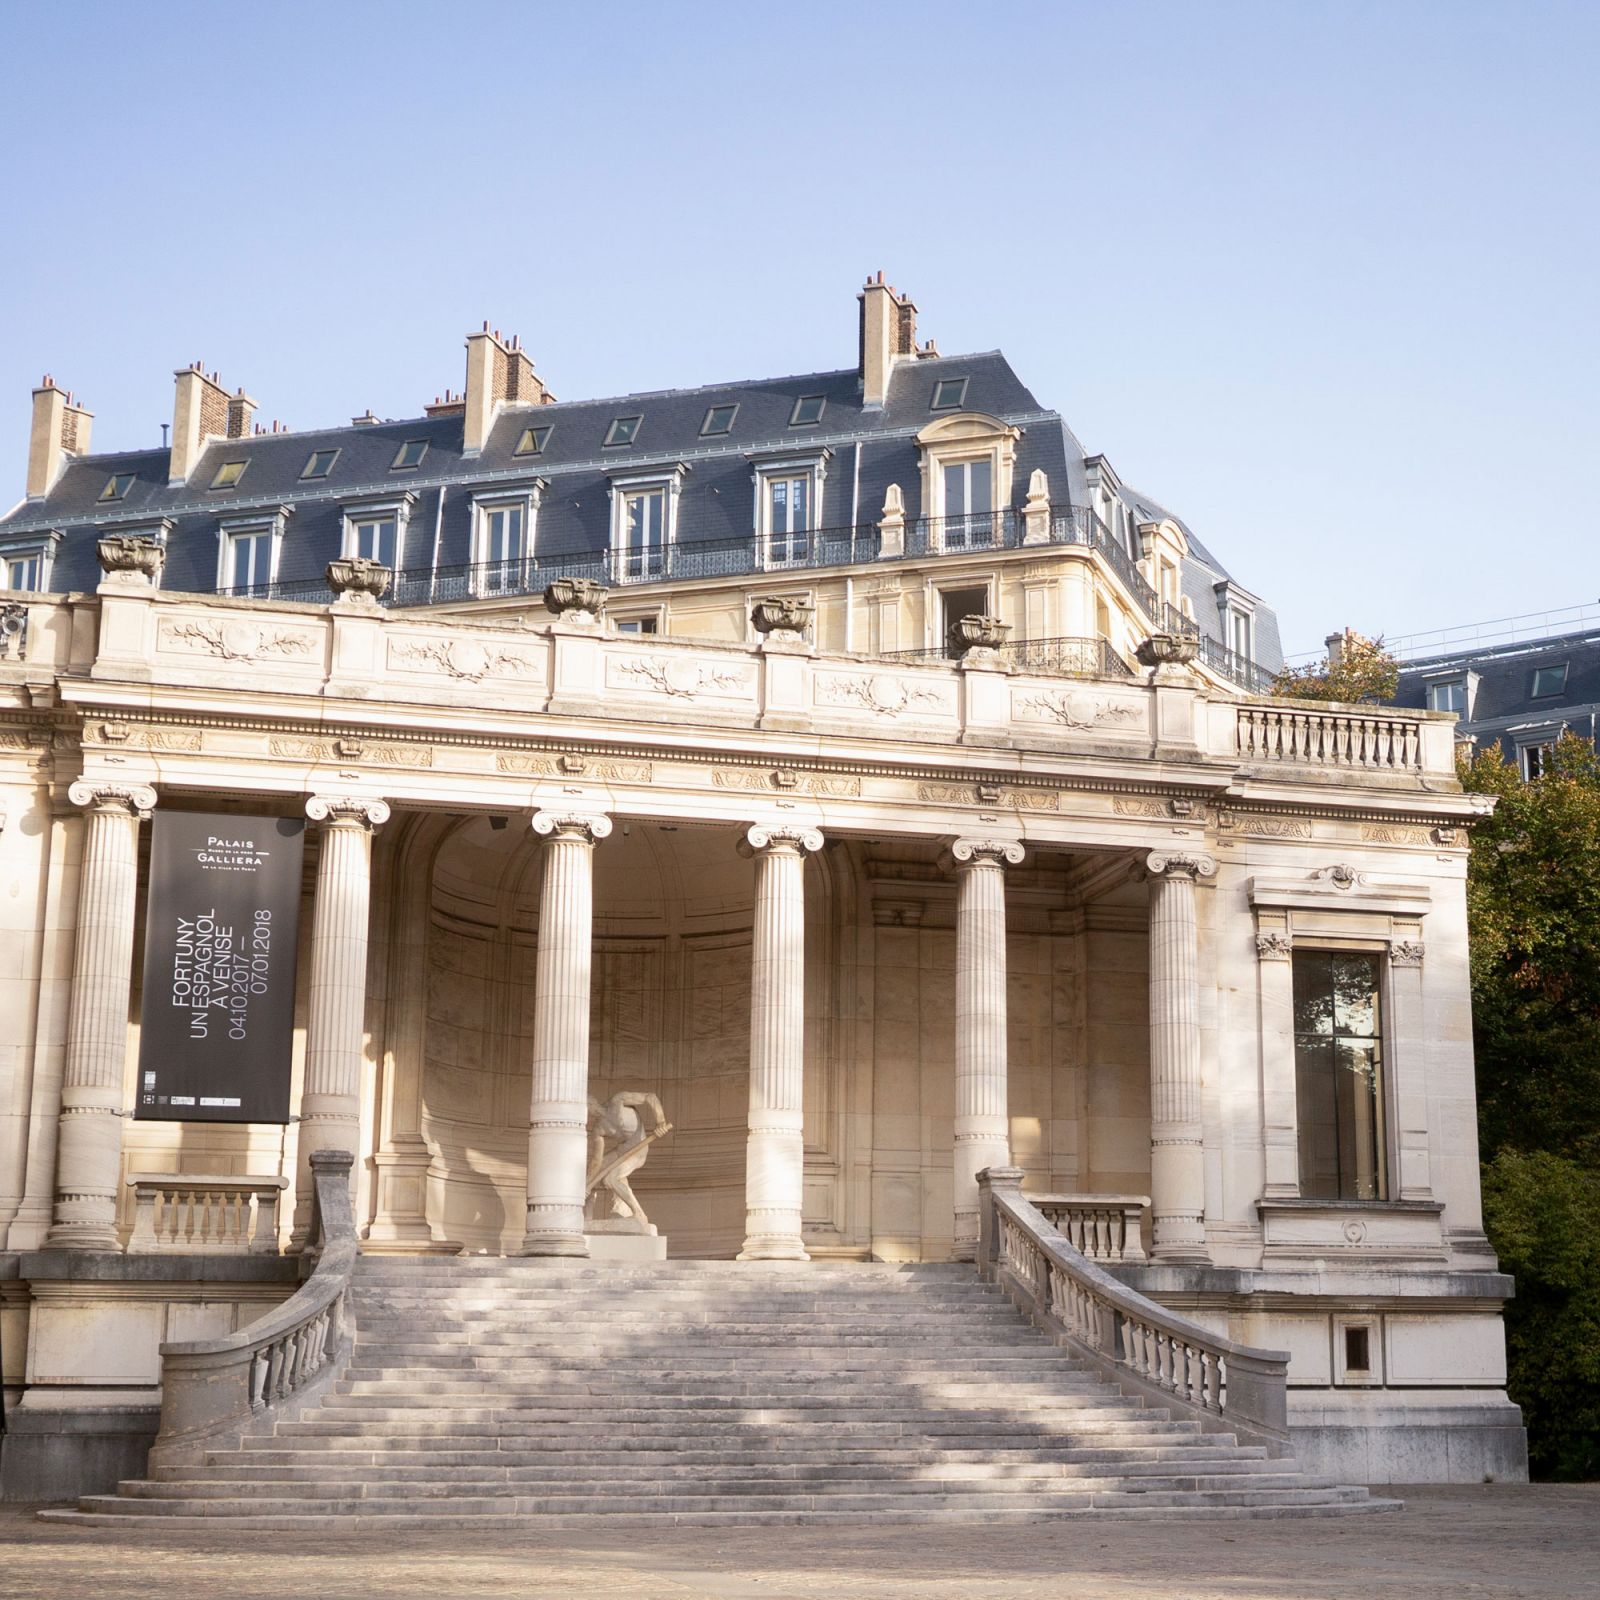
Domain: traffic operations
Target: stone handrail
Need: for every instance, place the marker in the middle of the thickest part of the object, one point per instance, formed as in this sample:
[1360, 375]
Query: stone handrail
[1375, 741]
[213, 1389]
[1144, 1348]
[204, 1214]
[1104, 1227]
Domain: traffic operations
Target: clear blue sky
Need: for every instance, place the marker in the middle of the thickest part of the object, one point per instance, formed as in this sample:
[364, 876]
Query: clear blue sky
[1321, 277]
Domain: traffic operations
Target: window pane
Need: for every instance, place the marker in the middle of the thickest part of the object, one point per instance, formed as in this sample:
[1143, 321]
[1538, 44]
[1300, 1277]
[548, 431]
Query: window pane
[778, 493]
[1338, 1076]
[799, 504]
[955, 490]
[982, 497]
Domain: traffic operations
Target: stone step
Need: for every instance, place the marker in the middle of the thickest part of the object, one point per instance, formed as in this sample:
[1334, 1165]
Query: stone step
[605, 1390]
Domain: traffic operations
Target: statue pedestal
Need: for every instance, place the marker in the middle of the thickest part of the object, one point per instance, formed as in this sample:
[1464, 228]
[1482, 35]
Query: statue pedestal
[623, 1239]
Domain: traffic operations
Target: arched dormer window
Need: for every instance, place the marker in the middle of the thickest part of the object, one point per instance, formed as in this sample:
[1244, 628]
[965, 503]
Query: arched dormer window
[967, 459]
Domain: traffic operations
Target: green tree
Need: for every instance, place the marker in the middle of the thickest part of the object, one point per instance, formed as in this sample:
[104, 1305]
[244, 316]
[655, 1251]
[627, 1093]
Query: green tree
[1533, 896]
[1355, 669]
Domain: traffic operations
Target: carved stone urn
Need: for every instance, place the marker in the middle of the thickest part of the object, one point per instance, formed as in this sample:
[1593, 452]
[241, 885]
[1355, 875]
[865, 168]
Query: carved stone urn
[977, 633]
[576, 599]
[1168, 650]
[131, 559]
[781, 618]
[359, 579]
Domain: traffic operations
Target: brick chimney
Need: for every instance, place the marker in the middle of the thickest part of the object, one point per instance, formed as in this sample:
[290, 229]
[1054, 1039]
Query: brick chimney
[499, 371]
[888, 334]
[241, 408]
[201, 411]
[60, 429]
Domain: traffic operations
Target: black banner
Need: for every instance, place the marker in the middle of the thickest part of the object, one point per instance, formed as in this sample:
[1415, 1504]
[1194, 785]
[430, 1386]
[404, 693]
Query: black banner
[219, 964]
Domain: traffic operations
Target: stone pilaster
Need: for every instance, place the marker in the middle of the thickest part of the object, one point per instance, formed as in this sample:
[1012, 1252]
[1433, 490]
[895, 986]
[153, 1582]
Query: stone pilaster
[775, 1150]
[89, 1136]
[1177, 1161]
[982, 1122]
[330, 1104]
[558, 1113]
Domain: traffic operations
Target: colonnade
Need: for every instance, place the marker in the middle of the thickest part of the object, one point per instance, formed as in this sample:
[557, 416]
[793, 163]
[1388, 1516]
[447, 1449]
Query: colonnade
[89, 1140]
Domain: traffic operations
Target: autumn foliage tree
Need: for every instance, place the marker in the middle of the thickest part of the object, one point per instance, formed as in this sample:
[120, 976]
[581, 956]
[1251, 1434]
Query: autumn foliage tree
[1355, 669]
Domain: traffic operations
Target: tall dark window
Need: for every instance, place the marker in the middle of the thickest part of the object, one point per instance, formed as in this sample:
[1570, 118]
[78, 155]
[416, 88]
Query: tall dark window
[1338, 1053]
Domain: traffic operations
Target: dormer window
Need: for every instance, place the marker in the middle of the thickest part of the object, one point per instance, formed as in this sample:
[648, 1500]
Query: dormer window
[1548, 680]
[409, 456]
[228, 474]
[1450, 695]
[24, 570]
[117, 485]
[949, 394]
[533, 441]
[623, 430]
[319, 463]
[719, 419]
[807, 411]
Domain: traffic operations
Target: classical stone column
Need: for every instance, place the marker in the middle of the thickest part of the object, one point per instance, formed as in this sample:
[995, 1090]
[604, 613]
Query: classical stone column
[774, 1172]
[558, 1114]
[89, 1135]
[982, 1124]
[330, 1103]
[1177, 1159]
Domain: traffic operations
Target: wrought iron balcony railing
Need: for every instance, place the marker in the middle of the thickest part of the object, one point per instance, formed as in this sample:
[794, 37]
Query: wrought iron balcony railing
[1235, 667]
[1056, 658]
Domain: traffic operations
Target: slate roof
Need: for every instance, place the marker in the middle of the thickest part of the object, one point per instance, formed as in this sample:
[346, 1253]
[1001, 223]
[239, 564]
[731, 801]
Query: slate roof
[870, 449]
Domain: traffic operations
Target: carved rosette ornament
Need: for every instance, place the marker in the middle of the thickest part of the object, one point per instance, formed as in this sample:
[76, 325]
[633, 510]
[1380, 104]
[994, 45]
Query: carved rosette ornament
[1406, 953]
[347, 811]
[359, 579]
[575, 599]
[128, 557]
[1274, 946]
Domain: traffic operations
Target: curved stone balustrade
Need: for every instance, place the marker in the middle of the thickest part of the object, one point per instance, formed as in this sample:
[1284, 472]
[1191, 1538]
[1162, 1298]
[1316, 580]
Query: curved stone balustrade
[213, 1390]
[1134, 1342]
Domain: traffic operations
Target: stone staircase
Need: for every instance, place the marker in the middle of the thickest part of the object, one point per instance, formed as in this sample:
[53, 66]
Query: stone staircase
[485, 1392]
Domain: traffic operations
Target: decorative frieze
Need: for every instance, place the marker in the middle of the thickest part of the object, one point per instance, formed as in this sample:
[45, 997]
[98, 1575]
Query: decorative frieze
[235, 639]
[410, 756]
[1074, 708]
[602, 769]
[989, 794]
[679, 678]
[785, 780]
[882, 695]
[1257, 826]
[466, 660]
[1393, 833]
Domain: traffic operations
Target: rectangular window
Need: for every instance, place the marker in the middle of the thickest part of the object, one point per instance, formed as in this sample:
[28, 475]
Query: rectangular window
[502, 548]
[409, 455]
[25, 571]
[533, 441]
[1241, 634]
[1450, 696]
[788, 519]
[1338, 1056]
[623, 430]
[644, 534]
[117, 485]
[1549, 680]
[1532, 757]
[969, 520]
[228, 474]
[249, 568]
[959, 603]
[948, 393]
[719, 419]
[807, 410]
[376, 537]
[320, 463]
[638, 625]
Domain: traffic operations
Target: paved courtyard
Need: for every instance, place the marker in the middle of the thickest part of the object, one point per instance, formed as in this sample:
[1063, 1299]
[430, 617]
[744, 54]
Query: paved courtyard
[1493, 1541]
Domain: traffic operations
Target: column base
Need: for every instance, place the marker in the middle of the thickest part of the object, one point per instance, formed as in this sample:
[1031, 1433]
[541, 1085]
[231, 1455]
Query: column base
[554, 1244]
[82, 1236]
[1180, 1255]
[773, 1250]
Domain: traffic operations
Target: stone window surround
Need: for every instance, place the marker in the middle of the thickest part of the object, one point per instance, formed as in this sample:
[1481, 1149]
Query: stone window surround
[42, 546]
[1322, 900]
[936, 588]
[811, 463]
[229, 528]
[484, 501]
[397, 506]
[966, 436]
[667, 477]
[1454, 675]
[1232, 601]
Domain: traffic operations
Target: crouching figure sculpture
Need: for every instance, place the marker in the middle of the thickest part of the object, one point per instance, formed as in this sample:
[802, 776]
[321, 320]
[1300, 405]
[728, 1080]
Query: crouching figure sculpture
[620, 1135]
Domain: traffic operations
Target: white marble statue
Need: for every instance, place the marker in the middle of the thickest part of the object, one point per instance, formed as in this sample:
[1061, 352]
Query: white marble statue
[621, 1132]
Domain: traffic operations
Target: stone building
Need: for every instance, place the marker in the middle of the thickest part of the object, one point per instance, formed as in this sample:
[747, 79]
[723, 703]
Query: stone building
[848, 760]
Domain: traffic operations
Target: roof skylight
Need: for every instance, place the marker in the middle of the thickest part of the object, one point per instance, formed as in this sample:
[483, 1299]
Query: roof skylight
[1548, 680]
[117, 485]
[320, 463]
[228, 474]
[533, 441]
[807, 410]
[719, 419]
[409, 455]
[948, 394]
[623, 430]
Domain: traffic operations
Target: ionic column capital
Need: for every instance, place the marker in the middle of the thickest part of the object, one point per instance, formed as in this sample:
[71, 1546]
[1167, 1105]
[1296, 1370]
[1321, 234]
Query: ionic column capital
[966, 853]
[576, 827]
[1176, 864]
[347, 811]
[134, 800]
[764, 839]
